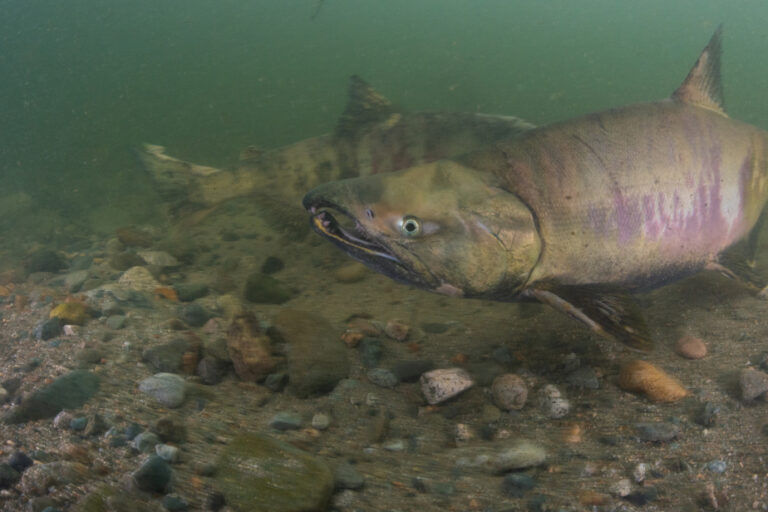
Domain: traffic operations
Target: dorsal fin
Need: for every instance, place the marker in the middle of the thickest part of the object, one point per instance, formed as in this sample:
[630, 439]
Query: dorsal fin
[364, 107]
[703, 86]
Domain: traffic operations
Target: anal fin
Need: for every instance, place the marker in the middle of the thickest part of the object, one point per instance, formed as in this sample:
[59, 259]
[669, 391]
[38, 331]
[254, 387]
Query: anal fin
[608, 311]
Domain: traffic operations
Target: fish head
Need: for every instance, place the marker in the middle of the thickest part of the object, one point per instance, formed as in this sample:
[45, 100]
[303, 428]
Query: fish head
[440, 226]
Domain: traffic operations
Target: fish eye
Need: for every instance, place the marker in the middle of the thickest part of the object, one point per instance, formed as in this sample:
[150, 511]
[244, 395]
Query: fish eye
[410, 226]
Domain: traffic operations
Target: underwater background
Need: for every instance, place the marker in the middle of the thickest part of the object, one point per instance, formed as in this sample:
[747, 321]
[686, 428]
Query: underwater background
[84, 82]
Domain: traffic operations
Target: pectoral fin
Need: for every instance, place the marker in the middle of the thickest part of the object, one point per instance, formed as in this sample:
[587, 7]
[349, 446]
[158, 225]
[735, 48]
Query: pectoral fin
[610, 312]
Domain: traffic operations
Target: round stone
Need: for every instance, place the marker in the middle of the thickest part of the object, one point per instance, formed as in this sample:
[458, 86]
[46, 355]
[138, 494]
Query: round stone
[509, 392]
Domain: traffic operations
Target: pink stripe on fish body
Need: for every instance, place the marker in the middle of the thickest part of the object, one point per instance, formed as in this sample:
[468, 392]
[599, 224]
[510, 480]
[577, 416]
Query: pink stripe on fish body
[635, 193]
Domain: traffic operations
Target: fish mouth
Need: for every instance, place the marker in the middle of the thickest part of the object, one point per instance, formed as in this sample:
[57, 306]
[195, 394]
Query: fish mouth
[342, 229]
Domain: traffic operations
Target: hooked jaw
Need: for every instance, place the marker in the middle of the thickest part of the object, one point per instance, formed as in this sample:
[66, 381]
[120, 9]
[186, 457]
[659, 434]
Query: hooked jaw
[341, 228]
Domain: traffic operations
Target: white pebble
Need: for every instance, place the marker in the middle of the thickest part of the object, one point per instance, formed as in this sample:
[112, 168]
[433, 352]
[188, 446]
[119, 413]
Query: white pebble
[622, 488]
[640, 471]
[440, 385]
[552, 402]
[321, 421]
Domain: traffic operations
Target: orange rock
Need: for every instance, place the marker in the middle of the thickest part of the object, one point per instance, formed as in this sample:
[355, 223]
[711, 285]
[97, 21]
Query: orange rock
[249, 349]
[593, 499]
[352, 338]
[573, 433]
[691, 347]
[643, 377]
[20, 302]
[460, 359]
[166, 293]
[189, 362]
[4, 291]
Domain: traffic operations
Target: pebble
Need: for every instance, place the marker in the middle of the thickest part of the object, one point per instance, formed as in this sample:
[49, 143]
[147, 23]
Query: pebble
[272, 265]
[258, 473]
[717, 466]
[350, 273]
[264, 289]
[382, 377]
[708, 415]
[173, 503]
[552, 402]
[286, 421]
[250, 349]
[69, 391]
[74, 280]
[116, 322]
[753, 383]
[20, 461]
[584, 377]
[37, 479]
[691, 347]
[345, 476]
[371, 350]
[321, 421]
[146, 441]
[88, 357]
[170, 430]
[509, 392]
[440, 385]
[138, 279]
[523, 454]
[187, 292]
[158, 258]
[153, 475]
[44, 260]
[657, 431]
[8, 476]
[166, 388]
[131, 236]
[639, 472]
[396, 445]
[515, 485]
[78, 424]
[62, 420]
[398, 331]
[211, 370]
[193, 314]
[621, 488]
[643, 377]
[166, 357]
[316, 359]
[96, 425]
[276, 382]
[167, 452]
[48, 329]
[462, 433]
[70, 313]
[125, 260]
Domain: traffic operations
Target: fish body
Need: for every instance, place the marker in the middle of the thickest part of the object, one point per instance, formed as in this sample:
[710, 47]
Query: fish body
[574, 214]
[371, 137]
[644, 193]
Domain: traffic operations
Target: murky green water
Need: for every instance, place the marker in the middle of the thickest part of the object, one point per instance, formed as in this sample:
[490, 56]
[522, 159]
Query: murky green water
[85, 81]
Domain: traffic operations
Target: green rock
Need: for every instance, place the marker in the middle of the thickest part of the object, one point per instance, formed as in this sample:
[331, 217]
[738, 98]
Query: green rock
[187, 292]
[264, 289]
[44, 260]
[257, 473]
[317, 359]
[69, 391]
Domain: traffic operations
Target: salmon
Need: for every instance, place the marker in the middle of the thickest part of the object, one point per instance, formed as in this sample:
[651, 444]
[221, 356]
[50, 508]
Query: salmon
[577, 214]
